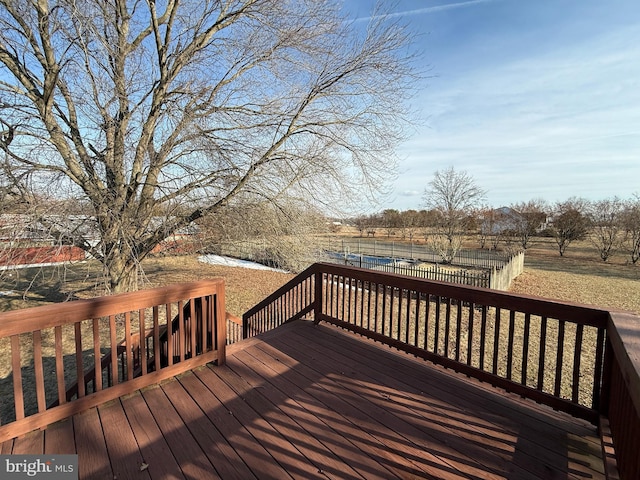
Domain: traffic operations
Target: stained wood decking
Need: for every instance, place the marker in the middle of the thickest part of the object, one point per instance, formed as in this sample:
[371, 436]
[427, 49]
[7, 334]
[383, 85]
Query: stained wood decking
[307, 401]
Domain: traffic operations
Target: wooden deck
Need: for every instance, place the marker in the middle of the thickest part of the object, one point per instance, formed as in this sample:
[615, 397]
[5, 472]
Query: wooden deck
[306, 401]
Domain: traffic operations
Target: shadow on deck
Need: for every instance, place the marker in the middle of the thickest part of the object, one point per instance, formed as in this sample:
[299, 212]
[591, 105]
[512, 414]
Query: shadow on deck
[313, 401]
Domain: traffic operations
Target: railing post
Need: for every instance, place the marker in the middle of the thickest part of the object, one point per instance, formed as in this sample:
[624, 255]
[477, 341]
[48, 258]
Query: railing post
[245, 326]
[317, 294]
[220, 320]
[603, 395]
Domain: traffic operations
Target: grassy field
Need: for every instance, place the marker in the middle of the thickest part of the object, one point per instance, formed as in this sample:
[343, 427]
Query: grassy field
[577, 277]
[38, 286]
[580, 277]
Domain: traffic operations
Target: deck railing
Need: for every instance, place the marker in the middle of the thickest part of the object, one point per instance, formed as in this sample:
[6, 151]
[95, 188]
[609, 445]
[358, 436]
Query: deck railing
[293, 300]
[67, 357]
[575, 358]
[621, 397]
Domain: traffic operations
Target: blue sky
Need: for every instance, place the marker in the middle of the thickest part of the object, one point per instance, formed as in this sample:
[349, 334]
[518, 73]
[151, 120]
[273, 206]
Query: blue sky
[533, 98]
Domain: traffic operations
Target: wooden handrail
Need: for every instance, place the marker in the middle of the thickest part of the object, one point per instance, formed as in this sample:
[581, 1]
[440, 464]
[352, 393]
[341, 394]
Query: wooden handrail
[622, 404]
[85, 320]
[293, 300]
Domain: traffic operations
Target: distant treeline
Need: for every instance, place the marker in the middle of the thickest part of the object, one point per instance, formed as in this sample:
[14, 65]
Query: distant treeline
[611, 225]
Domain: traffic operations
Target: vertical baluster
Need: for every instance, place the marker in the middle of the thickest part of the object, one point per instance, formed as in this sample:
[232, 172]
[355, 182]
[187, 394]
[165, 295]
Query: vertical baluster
[427, 311]
[512, 322]
[142, 335]
[156, 337]
[368, 305]
[362, 295]
[193, 325]
[576, 364]
[458, 329]
[376, 305]
[97, 356]
[181, 331]
[352, 302]
[384, 309]
[408, 319]
[447, 327]
[38, 370]
[16, 367]
[208, 325]
[62, 389]
[170, 335]
[329, 306]
[399, 322]
[598, 384]
[496, 343]
[416, 329]
[559, 358]
[436, 338]
[542, 352]
[470, 333]
[79, 362]
[483, 336]
[114, 350]
[343, 300]
[525, 348]
[130, 354]
[392, 300]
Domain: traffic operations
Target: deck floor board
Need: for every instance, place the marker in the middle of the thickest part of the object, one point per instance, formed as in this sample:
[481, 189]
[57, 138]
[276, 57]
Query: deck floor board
[155, 451]
[307, 401]
[400, 384]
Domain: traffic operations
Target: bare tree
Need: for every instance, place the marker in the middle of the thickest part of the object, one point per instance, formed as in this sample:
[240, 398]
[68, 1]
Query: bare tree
[630, 219]
[410, 222]
[179, 110]
[605, 218]
[569, 223]
[530, 216]
[390, 221]
[279, 235]
[455, 196]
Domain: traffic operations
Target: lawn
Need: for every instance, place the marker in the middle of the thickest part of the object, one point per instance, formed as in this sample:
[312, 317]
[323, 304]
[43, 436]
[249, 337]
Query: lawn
[38, 286]
[577, 277]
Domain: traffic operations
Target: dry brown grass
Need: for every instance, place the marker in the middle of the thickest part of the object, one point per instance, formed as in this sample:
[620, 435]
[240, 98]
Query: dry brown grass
[580, 277]
[39, 286]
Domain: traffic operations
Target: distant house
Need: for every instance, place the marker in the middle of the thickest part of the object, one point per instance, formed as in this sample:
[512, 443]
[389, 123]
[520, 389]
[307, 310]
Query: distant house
[506, 220]
[501, 221]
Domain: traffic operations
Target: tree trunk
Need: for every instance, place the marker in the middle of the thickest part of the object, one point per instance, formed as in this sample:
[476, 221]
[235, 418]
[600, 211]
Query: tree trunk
[122, 274]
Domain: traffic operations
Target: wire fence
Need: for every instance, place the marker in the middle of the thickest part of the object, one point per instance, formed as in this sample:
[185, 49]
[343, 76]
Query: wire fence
[414, 251]
[477, 268]
[475, 278]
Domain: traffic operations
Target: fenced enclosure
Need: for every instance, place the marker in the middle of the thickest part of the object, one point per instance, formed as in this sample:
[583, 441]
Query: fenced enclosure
[478, 268]
[475, 278]
[498, 277]
[376, 248]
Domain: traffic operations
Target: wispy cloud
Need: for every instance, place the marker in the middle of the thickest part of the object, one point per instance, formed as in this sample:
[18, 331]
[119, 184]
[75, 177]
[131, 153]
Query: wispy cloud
[553, 125]
[425, 10]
